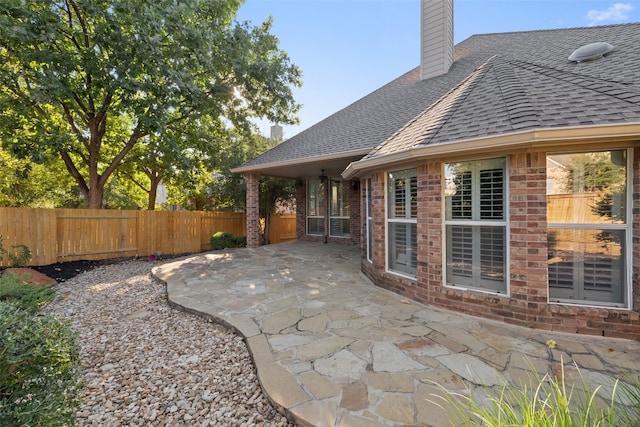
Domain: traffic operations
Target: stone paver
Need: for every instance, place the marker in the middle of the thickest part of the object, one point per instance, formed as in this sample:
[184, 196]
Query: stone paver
[332, 349]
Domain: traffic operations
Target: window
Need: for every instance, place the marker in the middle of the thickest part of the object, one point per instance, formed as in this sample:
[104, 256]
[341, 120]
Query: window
[402, 212]
[588, 227]
[315, 207]
[339, 214]
[369, 195]
[475, 224]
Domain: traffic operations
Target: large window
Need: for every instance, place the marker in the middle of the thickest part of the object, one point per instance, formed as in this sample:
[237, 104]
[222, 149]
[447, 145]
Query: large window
[339, 213]
[475, 219]
[402, 212]
[315, 207]
[588, 227]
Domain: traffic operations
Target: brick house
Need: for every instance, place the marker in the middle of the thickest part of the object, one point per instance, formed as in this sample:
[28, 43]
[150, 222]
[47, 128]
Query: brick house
[500, 178]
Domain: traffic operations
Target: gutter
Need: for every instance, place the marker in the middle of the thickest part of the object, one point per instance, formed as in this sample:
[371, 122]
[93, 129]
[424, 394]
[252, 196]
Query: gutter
[298, 162]
[538, 138]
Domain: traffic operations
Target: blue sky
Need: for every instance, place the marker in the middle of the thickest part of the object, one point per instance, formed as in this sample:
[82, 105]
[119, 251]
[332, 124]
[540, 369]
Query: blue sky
[348, 48]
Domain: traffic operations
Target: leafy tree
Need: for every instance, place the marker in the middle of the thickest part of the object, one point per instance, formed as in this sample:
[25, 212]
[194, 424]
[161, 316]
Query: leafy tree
[89, 80]
[216, 187]
[27, 184]
[274, 192]
[224, 190]
[177, 156]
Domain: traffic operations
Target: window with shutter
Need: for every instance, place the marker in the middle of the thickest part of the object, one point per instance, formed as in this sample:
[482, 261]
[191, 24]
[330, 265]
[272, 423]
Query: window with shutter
[588, 228]
[402, 213]
[476, 231]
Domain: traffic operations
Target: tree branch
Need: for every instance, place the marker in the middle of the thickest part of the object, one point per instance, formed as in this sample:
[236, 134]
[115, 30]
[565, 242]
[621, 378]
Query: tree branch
[71, 167]
[133, 139]
[74, 128]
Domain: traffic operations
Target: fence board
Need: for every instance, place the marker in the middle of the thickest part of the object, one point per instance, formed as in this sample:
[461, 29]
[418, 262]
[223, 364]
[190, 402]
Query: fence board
[213, 222]
[282, 228]
[35, 228]
[58, 235]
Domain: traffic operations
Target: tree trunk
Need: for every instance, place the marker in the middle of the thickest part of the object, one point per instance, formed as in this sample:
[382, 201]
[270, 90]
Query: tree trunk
[95, 196]
[267, 227]
[153, 192]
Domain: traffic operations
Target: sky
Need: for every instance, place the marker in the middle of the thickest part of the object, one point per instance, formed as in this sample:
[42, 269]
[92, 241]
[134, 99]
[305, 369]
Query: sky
[346, 49]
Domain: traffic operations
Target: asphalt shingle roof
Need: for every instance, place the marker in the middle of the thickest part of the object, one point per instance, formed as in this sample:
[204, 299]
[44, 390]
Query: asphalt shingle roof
[498, 83]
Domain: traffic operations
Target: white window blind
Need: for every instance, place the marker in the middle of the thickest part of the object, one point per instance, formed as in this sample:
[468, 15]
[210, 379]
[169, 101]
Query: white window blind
[475, 225]
[402, 212]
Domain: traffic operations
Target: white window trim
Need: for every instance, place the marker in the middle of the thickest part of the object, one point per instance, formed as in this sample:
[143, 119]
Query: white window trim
[348, 218]
[505, 223]
[368, 219]
[339, 236]
[387, 220]
[628, 227]
[308, 217]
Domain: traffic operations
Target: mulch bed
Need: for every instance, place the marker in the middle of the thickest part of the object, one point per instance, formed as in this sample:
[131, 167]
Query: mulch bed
[63, 271]
[58, 272]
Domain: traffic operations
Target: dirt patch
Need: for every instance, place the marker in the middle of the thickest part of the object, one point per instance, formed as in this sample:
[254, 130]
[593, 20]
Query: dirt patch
[31, 276]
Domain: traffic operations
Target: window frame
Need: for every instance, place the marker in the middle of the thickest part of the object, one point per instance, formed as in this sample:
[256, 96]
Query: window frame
[344, 199]
[477, 226]
[627, 228]
[319, 205]
[409, 220]
[369, 218]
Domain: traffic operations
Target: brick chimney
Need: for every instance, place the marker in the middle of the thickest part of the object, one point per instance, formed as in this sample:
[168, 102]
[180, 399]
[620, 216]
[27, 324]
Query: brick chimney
[276, 133]
[436, 28]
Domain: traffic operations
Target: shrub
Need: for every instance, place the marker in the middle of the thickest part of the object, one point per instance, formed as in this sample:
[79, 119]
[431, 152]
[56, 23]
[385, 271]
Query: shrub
[16, 260]
[24, 296]
[241, 242]
[39, 369]
[223, 240]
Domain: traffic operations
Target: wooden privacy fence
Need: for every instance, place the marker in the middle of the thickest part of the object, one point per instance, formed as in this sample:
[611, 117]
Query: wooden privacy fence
[59, 235]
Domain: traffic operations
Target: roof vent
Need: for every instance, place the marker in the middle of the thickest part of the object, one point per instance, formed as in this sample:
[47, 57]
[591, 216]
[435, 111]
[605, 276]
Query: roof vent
[590, 52]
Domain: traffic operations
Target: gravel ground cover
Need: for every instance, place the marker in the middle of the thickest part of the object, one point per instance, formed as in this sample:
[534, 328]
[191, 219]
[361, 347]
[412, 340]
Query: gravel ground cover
[147, 364]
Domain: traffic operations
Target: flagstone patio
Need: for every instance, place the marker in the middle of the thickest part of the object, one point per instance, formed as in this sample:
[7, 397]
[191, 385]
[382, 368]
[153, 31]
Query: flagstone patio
[332, 349]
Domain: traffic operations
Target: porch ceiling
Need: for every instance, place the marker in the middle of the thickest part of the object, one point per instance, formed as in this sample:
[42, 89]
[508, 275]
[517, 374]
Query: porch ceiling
[308, 168]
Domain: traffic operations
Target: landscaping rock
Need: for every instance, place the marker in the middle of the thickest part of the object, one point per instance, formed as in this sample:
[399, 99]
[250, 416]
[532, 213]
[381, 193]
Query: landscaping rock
[165, 367]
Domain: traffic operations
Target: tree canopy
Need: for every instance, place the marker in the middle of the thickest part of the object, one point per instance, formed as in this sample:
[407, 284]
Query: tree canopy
[93, 81]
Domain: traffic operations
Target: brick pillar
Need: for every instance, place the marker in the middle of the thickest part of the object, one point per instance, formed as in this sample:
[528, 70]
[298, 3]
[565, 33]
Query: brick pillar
[636, 231]
[253, 210]
[528, 240]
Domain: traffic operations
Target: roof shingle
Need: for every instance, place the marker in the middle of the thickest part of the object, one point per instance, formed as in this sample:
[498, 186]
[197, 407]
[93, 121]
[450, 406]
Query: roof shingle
[499, 83]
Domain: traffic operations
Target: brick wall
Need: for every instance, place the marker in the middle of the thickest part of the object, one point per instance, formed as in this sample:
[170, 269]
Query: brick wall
[527, 304]
[253, 213]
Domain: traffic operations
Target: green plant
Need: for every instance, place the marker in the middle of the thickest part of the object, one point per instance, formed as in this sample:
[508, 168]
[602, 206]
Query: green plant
[16, 260]
[630, 394]
[24, 296]
[223, 240]
[547, 402]
[40, 379]
[241, 241]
